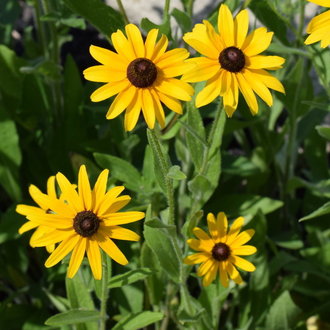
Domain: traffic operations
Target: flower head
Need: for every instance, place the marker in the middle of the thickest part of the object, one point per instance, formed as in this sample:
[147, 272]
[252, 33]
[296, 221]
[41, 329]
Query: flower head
[318, 28]
[220, 252]
[142, 74]
[232, 62]
[87, 220]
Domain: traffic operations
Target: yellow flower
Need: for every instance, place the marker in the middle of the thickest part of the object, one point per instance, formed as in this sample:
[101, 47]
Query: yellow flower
[319, 26]
[142, 74]
[85, 221]
[42, 209]
[220, 252]
[232, 62]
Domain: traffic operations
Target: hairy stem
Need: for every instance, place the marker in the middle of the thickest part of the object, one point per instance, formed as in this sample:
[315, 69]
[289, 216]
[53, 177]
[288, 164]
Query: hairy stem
[104, 292]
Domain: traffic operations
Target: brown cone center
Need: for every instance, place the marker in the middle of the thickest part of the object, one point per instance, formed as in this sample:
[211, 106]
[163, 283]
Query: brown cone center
[232, 59]
[220, 252]
[86, 223]
[141, 72]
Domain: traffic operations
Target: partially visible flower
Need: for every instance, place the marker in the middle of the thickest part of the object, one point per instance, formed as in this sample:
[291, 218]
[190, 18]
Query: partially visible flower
[42, 209]
[232, 62]
[219, 253]
[142, 74]
[85, 221]
[319, 27]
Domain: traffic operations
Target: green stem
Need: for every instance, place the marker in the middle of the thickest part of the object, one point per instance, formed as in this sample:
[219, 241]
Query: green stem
[104, 292]
[166, 10]
[164, 167]
[123, 11]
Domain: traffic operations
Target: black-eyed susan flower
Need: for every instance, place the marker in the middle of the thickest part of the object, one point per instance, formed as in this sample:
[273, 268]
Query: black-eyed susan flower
[319, 27]
[42, 209]
[142, 74]
[220, 252]
[87, 220]
[232, 63]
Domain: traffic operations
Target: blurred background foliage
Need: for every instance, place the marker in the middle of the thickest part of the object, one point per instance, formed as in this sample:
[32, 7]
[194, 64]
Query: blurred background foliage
[271, 168]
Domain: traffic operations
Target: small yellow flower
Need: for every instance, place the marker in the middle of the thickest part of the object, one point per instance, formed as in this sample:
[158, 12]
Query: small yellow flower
[319, 26]
[232, 62]
[87, 220]
[142, 74]
[42, 209]
[220, 252]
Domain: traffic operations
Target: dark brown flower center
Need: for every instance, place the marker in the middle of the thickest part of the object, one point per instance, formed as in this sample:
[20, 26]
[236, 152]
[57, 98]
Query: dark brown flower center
[141, 72]
[232, 59]
[220, 252]
[86, 223]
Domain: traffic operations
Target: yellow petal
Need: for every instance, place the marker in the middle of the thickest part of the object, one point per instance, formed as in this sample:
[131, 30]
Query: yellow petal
[111, 249]
[214, 37]
[38, 197]
[135, 39]
[159, 49]
[99, 189]
[234, 229]
[205, 267]
[71, 194]
[233, 273]
[107, 57]
[158, 108]
[200, 245]
[210, 91]
[319, 21]
[84, 188]
[226, 25]
[172, 58]
[119, 203]
[52, 220]
[223, 274]
[172, 103]
[123, 47]
[77, 257]
[264, 62]
[27, 226]
[150, 42]
[201, 234]
[196, 258]
[50, 248]
[222, 225]
[247, 92]
[258, 87]
[62, 250]
[213, 230]
[242, 238]
[268, 80]
[257, 41]
[230, 98]
[241, 26]
[94, 257]
[51, 191]
[121, 102]
[110, 89]
[29, 210]
[121, 218]
[108, 199]
[117, 232]
[133, 111]
[202, 68]
[148, 108]
[324, 3]
[210, 275]
[175, 88]
[244, 250]
[242, 263]
[52, 237]
[101, 73]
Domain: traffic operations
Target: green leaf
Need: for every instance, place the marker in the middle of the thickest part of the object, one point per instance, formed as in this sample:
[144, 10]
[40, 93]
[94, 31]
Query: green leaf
[283, 314]
[324, 209]
[324, 131]
[103, 17]
[10, 157]
[138, 320]
[74, 316]
[175, 173]
[164, 28]
[164, 245]
[183, 19]
[129, 277]
[121, 170]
